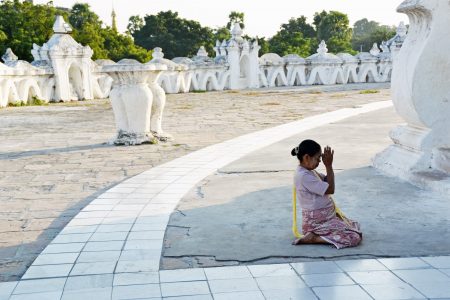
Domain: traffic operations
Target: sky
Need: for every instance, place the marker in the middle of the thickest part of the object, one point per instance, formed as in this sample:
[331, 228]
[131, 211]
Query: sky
[262, 18]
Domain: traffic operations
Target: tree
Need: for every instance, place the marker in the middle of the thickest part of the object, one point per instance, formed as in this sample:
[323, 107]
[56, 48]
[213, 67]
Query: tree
[22, 24]
[236, 17]
[119, 46]
[363, 27]
[264, 44]
[87, 29]
[300, 25]
[3, 36]
[294, 37]
[91, 35]
[366, 33]
[383, 33]
[318, 18]
[333, 28]
[177, 36]
[135, 23]
[284, 43]
[81, 15]
[222, 33]
[105, 42]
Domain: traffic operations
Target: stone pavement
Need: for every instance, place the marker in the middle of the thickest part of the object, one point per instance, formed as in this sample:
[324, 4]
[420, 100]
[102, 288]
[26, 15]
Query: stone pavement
[111, 249]
[216, 226]
[54, 159]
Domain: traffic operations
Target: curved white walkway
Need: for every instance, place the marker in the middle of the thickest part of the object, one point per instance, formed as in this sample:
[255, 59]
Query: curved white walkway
[112, 248]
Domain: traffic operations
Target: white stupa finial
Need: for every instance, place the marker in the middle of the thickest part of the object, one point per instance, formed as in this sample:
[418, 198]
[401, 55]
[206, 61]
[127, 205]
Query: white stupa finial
[157, 53]
[9, 56]
[375, 50]
[401, 29]
[60, 26]
[384, 47]
[202, 52]
[236, 32]
[322, 48]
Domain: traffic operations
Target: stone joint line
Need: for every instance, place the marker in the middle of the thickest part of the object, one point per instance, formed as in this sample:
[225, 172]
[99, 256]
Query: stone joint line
[112, 248]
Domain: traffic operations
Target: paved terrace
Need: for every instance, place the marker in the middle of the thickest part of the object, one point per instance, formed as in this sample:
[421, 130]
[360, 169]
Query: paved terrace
[112, 248]
[55, 160]
[215, 225]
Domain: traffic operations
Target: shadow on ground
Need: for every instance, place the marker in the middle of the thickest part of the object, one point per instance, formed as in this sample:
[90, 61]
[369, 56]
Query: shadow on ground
[397, 219]
[16, 259]
[21, 154]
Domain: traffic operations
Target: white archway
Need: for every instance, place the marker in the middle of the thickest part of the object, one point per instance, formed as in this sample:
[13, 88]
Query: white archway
[244, 66]
[10, 94]
[29, 89]
[75, 82]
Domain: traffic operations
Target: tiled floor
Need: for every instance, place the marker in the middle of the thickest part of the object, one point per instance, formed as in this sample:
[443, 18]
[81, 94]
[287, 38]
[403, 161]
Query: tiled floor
[111, 250]
[308, 280]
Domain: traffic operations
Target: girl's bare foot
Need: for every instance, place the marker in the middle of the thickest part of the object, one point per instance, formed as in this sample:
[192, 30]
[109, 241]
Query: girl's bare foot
[306, 239]
[309, 238]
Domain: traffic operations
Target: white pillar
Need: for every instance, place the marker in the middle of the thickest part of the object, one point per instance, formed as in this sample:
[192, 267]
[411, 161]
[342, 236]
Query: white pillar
[159, 102]
[234, 62]
[254, 65]
[88, 90]
[132, 100]
[421, 96]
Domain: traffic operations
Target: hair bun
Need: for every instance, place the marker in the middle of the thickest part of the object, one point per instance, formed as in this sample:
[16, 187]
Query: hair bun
[294, 151]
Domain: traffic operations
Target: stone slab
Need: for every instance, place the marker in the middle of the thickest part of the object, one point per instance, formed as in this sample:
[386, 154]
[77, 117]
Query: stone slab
[251, 222]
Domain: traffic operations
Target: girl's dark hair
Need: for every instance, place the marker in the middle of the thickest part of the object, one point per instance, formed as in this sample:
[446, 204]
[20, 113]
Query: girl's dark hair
[309, 147]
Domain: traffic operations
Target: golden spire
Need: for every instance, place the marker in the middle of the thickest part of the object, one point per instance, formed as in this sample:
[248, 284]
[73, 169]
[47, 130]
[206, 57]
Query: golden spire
[113, 16]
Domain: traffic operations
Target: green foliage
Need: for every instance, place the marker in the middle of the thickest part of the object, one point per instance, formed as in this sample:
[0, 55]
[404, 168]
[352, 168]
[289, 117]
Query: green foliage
[87, 29]
[3, 36]
[33, 102]
[135, 23]
[17, 104]
[105, 42]
[81, 16]
[300, 25]
[383, 33]
[295, 37]
[22, 24]
[176, 36]
[333, 27]
[236, 17]
[37, 101]
[121, 46]
[364, 26]
[299, 37]
[264, 44]
[366, 33]
[222, 33]
[369, 92]
[284, 43]
[337, 45]
[90, 35]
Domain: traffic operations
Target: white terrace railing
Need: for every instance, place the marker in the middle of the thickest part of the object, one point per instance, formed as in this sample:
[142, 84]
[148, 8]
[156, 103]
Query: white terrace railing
[62, 69]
